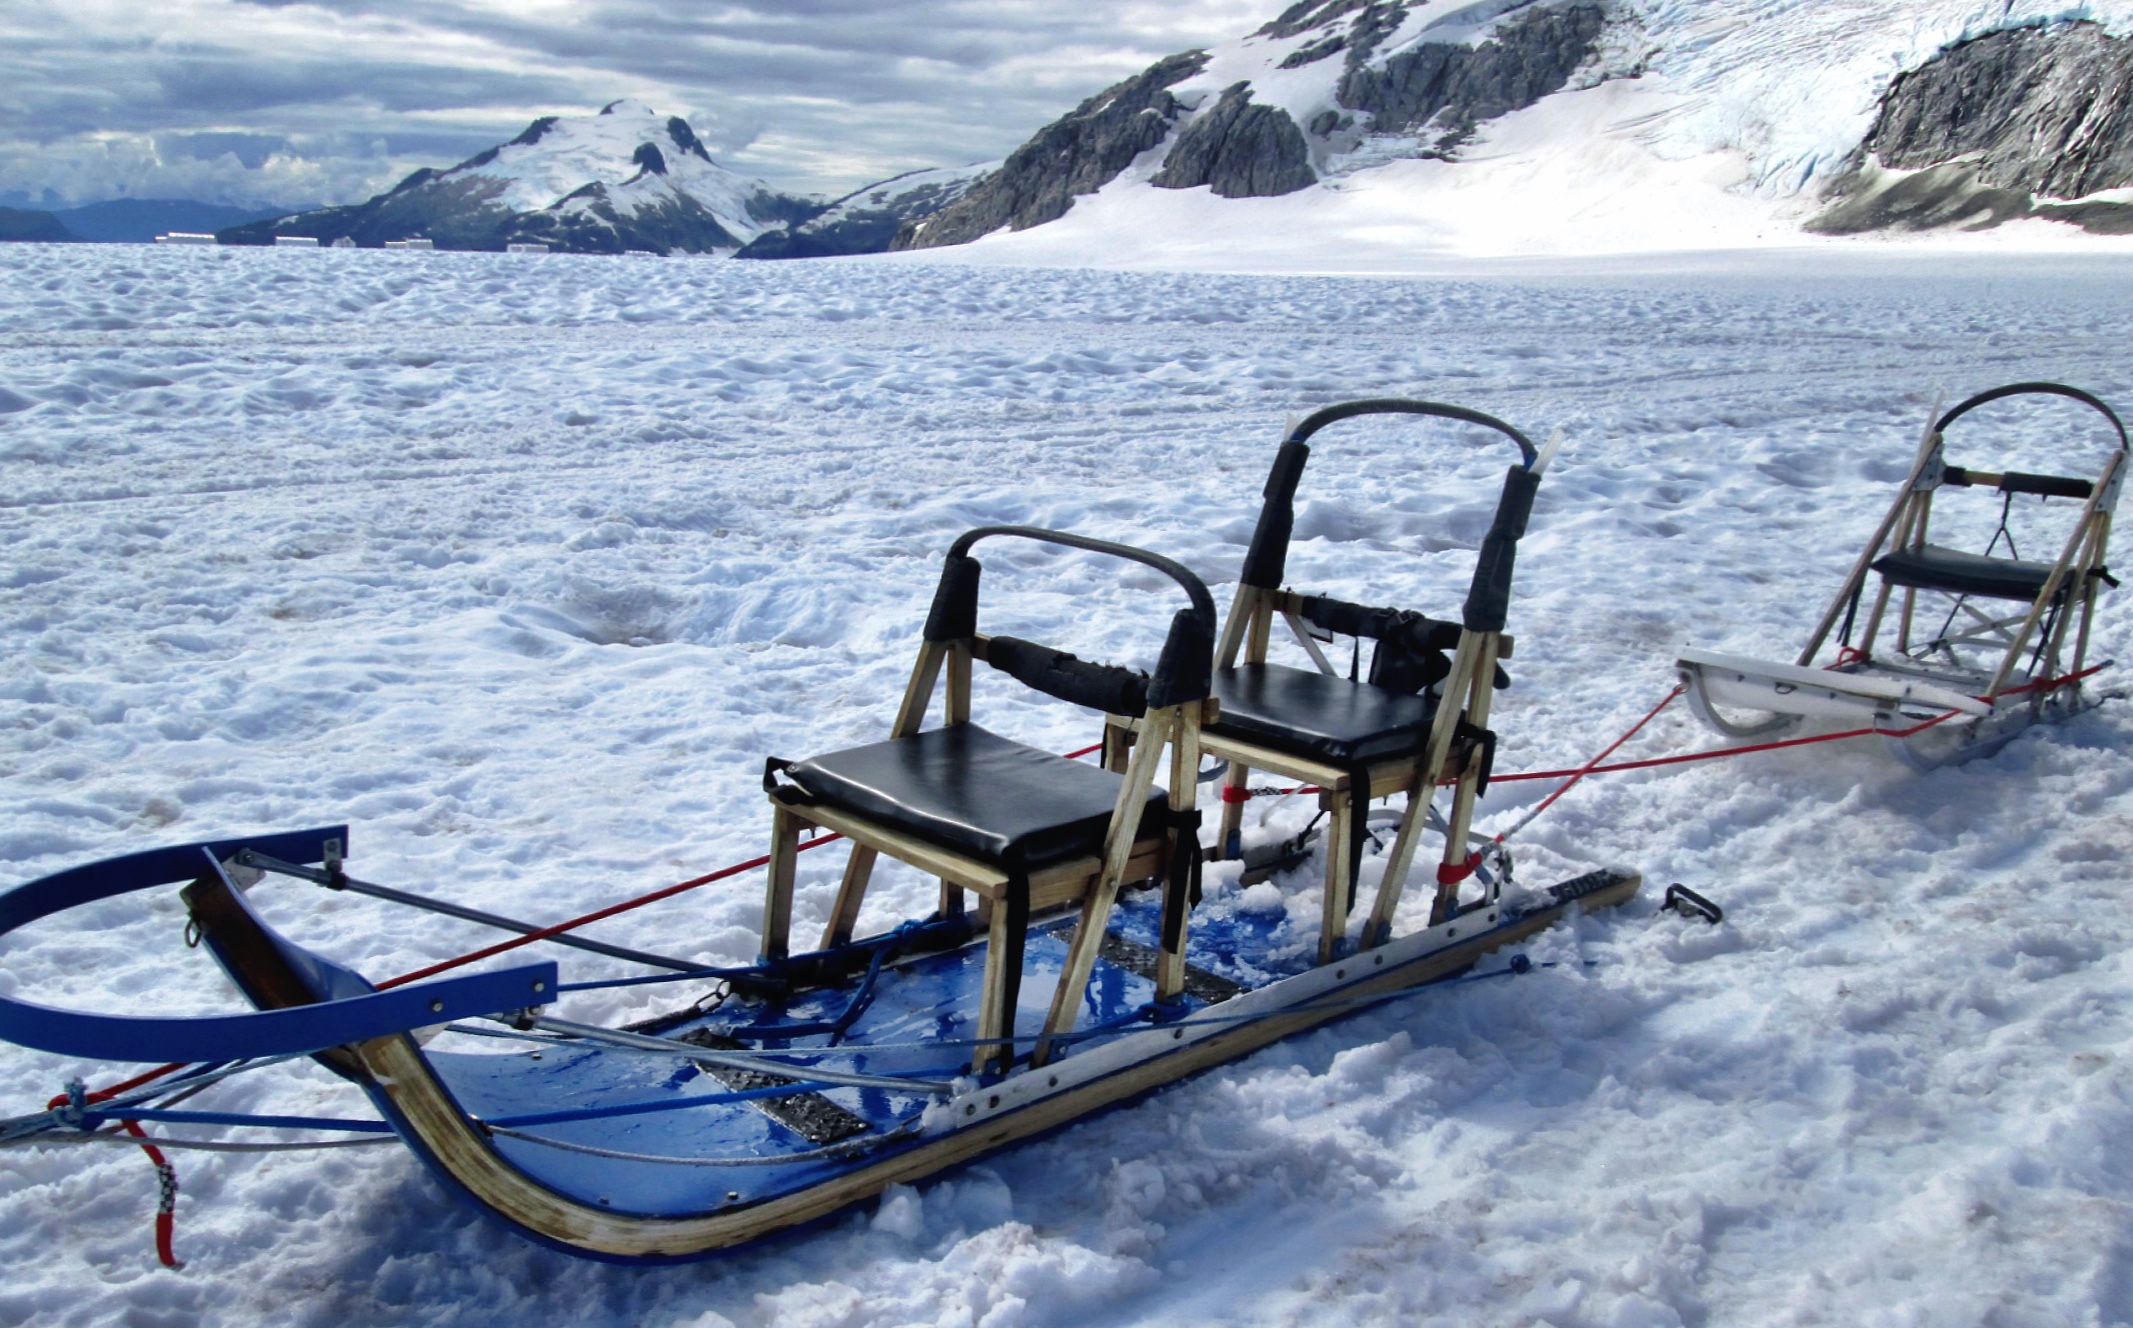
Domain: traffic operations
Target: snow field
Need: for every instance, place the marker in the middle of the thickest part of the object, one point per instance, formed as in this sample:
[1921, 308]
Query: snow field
[520, 567]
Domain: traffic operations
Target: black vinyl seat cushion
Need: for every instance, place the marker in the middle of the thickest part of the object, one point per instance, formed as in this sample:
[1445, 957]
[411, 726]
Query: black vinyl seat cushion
[1957, 573]
[1311, 714]
[971, 790]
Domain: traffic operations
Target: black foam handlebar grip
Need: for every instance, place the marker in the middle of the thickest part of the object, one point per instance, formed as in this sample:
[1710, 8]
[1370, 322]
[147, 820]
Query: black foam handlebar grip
[1488, 600]
[1185, 671]
[1105, 687]
[954, 614]
[1266, 561]
[2047, 486]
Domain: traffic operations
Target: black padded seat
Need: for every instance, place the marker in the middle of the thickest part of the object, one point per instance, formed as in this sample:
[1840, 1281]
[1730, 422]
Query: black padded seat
[1313, 714]
[1956, 573]
[969, 789]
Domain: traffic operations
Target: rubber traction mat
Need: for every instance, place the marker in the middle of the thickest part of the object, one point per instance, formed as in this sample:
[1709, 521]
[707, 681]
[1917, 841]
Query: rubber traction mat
[810, 1115]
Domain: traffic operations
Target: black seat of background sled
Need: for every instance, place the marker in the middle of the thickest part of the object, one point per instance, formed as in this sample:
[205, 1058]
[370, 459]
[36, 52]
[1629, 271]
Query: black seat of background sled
[1957, 573]
[969, 789]
[1306, 713]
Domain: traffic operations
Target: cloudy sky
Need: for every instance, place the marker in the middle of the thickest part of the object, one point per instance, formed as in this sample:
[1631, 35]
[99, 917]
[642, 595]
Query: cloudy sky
[281, 102]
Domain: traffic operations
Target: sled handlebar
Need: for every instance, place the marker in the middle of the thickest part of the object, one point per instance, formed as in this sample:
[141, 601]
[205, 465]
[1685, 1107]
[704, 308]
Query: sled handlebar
[1184, 672]
[2036, 389]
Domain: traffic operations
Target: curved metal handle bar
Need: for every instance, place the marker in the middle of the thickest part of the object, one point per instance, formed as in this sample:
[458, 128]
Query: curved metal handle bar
[1203, 604]
[296, 1030]
[1348, 410]
[2037, 389]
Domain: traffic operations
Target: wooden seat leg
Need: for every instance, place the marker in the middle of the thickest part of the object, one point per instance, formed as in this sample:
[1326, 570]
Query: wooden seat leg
[1096, 905]
[777, 898]
[851, 893]
[1340, 869]
[951, 899]
[1378, 930]
[1007, 932]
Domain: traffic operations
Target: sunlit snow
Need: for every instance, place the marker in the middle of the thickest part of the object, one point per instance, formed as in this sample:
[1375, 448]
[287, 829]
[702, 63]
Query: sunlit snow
[521, 565]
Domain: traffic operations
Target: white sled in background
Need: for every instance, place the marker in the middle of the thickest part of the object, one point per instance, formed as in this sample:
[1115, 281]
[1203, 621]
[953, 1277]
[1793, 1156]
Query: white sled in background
[2012, 639]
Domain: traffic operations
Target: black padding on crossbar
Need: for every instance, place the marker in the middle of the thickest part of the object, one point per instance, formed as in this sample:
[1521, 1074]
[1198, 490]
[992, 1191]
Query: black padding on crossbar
[971, 790]
[1185, 670]
[1105, 687]
[1311, 714]
[2048, 486]
[1266, 561]
[954, 614]
[1954, 572]
[1488, 601]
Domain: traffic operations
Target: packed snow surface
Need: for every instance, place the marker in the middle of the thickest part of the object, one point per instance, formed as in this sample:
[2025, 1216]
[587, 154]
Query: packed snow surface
[522, 567]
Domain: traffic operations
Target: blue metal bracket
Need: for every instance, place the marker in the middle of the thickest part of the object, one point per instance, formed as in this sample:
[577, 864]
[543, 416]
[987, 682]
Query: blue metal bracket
[293, 1031]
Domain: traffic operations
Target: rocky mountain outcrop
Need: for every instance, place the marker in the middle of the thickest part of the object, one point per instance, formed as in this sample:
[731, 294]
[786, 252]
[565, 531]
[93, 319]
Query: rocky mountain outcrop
[2017, 123]
[625, 179]
[1237, 122]
[1241, 148]
[1079, 153]
[866, 221]
[1450, 87]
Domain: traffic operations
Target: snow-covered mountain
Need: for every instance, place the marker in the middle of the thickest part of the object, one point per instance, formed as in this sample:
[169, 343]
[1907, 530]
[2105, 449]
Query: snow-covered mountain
[626, 178]
[867, 220]
[1578, 125]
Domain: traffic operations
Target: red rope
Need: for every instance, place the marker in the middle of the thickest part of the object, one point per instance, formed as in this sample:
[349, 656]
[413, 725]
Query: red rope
[166, 1174]
[1594, 763]
[611, 910]
[1716, 753]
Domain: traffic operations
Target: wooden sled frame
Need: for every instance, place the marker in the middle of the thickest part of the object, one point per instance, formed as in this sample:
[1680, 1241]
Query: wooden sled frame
[1178, 706]
[1454, 747]
[2064, 605]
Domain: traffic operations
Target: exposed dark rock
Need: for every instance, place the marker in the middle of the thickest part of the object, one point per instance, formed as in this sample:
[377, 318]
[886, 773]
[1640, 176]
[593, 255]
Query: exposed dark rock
[1241, 148]
[464, 208]
[1308, 14]
[535, 132]
[1454, 87]
[1996, 128]
[1946, 195]
[1077, 154]
[31, 225]
[587, 222]
[866, 221]
[685, 138]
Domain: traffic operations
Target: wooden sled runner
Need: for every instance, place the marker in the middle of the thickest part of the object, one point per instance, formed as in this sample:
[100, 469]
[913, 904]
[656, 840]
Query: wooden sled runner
[809, 1081]
[2011, 645]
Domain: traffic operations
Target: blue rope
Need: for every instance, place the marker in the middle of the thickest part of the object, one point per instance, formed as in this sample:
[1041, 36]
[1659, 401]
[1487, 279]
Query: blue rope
[92, 1119]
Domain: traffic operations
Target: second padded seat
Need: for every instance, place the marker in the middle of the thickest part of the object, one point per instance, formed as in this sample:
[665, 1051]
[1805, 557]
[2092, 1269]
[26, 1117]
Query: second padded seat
[1958, 573]
[1312, 714]
[967, 788]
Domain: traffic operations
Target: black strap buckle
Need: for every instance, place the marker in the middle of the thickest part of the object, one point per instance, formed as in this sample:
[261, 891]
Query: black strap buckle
[1680, 899]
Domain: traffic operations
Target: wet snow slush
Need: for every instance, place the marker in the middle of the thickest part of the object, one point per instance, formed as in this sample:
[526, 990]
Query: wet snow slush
[522, 566]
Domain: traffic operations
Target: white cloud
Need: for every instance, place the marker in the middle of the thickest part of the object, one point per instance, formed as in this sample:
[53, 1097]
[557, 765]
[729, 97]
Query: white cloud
[331, 100]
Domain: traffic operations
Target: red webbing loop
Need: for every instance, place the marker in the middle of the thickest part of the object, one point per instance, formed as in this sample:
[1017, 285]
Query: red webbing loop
[166, 1174]
[1236, 793]
[1452, 873]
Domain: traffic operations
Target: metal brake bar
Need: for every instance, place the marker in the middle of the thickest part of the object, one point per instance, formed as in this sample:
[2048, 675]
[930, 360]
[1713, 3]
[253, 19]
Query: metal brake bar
[341, 881]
